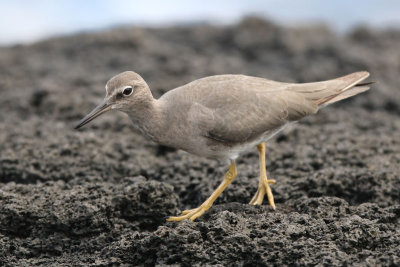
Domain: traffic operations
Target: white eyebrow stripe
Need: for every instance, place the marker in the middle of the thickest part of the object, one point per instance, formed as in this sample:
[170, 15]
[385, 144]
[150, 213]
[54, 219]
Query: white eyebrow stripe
[106, 89]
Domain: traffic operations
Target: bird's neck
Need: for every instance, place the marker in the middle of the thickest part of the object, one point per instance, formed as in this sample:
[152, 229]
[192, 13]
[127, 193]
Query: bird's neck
[148, 119]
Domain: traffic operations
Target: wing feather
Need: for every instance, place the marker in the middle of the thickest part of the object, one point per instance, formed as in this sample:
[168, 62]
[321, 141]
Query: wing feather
[245, 115]
[237, 108]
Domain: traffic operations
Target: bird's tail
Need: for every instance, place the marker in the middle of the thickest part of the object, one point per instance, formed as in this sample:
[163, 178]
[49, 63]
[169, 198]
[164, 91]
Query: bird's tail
[328, 92]
[350, 86]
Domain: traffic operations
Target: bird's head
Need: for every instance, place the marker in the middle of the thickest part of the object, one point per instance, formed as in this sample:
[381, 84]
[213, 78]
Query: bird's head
[126, 92]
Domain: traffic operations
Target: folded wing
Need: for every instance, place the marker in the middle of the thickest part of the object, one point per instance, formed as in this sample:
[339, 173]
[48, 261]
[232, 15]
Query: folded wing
[251, 108]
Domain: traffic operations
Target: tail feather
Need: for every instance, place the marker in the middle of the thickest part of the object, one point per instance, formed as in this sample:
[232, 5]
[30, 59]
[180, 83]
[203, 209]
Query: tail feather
[327, 92]
[364, 84]
[346, 94]
[349, 86]
[357, 89]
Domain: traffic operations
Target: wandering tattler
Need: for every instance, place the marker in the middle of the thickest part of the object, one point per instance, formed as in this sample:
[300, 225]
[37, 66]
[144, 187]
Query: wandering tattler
[222, 116]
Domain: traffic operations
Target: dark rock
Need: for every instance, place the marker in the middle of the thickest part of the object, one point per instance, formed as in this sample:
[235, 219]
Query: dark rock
[100, 196]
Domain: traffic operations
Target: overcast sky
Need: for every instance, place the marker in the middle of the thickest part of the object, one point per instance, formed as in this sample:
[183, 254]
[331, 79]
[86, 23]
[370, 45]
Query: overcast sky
[23, 21]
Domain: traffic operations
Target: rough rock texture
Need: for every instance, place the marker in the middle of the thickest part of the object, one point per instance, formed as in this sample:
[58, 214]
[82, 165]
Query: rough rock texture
[100, 196]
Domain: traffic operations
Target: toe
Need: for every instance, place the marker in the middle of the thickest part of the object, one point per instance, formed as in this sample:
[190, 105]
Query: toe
[186, 212]
[174, 219]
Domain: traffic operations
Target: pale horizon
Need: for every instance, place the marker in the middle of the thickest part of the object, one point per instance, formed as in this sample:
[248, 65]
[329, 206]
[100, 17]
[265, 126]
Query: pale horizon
[25, 21]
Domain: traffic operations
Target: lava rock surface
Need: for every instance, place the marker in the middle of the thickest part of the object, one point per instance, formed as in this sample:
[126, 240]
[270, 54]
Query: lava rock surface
[100, 196]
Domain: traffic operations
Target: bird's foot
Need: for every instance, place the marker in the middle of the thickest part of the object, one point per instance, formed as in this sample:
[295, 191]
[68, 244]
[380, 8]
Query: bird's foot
[197, 212]
[187, 211]
[263, 189]
[192, 214]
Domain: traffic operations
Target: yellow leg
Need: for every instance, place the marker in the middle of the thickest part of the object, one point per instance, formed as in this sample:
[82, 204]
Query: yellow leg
[263, 187]
[197, 212]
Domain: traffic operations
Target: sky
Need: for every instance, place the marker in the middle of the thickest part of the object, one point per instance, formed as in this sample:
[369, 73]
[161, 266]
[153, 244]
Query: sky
[26, 21]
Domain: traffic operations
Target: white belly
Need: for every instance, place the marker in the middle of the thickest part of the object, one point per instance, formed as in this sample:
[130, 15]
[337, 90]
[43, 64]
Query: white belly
[232, 153]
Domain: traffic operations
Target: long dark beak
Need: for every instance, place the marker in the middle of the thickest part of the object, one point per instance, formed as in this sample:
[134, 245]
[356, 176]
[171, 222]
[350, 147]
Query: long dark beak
[100, 109]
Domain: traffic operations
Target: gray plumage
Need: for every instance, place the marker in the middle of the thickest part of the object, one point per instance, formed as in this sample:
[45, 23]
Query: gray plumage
[221, 116]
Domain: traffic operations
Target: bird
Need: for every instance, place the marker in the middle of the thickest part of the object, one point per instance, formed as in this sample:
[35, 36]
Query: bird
[222, 117]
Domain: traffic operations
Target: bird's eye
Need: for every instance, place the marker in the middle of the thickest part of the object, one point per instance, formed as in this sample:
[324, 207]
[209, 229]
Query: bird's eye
[127, 91]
